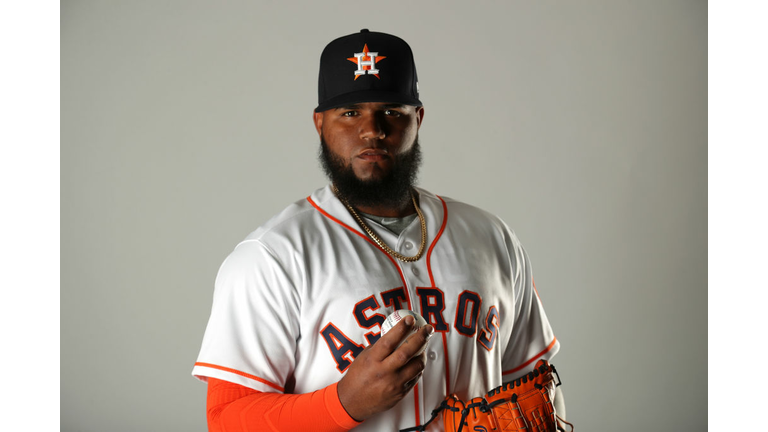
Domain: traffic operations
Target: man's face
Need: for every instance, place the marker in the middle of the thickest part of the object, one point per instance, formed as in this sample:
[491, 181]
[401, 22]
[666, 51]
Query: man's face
[370, 150]
[369, 136]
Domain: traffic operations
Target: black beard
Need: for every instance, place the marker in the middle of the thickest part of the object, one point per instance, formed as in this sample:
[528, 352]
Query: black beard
[393, 190]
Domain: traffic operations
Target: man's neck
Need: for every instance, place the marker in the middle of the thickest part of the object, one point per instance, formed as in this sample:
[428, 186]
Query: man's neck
[390, 208]
[388, 211]
[384, 209]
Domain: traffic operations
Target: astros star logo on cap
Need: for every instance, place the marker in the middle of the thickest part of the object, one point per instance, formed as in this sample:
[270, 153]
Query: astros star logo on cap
[366, 62]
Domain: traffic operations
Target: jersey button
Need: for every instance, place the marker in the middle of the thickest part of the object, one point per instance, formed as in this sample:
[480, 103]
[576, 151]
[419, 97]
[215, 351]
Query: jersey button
[415, 271]
[408, 245]
[432, 355]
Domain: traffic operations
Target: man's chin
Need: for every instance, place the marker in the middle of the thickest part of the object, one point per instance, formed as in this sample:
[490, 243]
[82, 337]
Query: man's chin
[372, 172]
[371, 179]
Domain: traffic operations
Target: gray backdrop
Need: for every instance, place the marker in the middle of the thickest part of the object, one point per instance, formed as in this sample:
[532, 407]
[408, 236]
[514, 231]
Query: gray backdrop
[186, 124]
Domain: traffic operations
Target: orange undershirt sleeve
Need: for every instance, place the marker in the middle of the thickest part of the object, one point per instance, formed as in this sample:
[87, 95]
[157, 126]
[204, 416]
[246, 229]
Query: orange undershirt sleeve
[235, 408]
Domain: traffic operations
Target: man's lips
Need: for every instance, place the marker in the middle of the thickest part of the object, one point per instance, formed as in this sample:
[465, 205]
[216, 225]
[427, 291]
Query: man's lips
[373, 155]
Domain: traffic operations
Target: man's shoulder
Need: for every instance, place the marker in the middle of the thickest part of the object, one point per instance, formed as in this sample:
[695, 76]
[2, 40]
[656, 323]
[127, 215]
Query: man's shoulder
[292, 220]
[460, 209]
[472, 219]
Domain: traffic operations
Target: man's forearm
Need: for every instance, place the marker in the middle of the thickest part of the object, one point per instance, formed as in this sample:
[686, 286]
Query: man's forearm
[235, 408]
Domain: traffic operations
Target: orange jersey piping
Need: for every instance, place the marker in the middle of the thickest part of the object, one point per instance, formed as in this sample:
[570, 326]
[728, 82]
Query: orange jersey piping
[437, 237]
[533, 359]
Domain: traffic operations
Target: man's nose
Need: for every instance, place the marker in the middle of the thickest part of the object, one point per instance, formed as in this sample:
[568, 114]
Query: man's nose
[372, 127]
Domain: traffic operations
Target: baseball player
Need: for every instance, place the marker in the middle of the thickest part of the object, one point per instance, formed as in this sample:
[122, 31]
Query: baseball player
[294, 338]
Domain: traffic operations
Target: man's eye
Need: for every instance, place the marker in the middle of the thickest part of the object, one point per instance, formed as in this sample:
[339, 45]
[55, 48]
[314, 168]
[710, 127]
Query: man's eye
[349, 113]
[393, 113]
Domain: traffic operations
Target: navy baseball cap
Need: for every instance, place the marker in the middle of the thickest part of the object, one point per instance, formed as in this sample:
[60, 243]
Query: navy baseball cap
[367, 67]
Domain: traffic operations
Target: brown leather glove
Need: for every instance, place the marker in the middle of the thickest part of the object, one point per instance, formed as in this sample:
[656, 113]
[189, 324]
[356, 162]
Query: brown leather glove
[522, 405]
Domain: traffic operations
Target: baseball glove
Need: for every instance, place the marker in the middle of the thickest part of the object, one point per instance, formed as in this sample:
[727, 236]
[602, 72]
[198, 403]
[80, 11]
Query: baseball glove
[523, 405]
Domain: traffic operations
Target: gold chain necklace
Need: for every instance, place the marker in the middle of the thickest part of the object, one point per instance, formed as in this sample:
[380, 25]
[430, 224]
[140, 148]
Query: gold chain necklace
[378, 240]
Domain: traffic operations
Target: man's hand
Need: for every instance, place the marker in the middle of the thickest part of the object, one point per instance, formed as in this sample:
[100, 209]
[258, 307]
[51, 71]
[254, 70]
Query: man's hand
[383, 374]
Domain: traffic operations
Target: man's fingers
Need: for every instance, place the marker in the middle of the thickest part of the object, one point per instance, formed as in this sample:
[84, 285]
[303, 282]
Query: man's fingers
[415, 366]
[409, 385]
[416, 341]
[390, 341]
[413, 346]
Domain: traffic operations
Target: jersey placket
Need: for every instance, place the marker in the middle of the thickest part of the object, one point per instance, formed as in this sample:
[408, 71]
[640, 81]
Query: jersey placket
[415, 275]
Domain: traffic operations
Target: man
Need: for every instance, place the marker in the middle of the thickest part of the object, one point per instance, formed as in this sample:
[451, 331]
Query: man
[294, 338]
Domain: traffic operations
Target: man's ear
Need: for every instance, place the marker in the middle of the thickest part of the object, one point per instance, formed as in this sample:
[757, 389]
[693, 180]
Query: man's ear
[419, 116]
[317, 117]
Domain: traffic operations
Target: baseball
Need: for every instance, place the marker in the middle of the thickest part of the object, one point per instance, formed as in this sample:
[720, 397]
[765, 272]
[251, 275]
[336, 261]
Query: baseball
[398, 315]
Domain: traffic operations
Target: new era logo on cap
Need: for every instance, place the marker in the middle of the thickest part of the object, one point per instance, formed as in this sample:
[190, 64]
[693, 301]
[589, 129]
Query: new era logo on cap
[387, 74]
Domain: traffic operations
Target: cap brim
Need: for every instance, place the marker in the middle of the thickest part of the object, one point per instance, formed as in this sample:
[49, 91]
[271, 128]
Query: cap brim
[367, 96]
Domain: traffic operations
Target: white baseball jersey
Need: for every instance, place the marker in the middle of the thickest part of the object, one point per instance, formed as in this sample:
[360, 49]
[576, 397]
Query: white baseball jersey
[301, 296]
